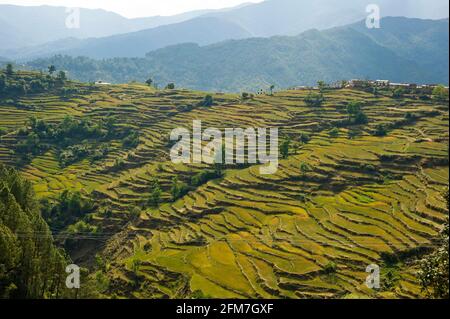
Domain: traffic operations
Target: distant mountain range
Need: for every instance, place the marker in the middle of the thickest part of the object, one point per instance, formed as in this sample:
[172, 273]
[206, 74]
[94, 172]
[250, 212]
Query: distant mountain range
[202, 30]
[27, 26]
[411, 50]
[31, 32]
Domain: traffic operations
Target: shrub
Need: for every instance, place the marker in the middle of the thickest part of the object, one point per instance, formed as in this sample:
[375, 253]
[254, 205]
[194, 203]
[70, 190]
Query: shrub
[132, 140]
[304, 137]
[380, 130]
[3, 131]
[204, 176]
[207, 101]
[330, 268]
[179, 189]
[314, 100]
[334, 132]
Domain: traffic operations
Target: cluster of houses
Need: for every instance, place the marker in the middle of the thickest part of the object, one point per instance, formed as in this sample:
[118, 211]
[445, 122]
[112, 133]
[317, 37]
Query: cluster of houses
[362, 84]
[387, 84]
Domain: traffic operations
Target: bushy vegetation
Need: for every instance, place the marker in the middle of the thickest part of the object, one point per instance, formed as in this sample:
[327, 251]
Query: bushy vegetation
[74, 139]
[69, 208]
[356, 115]
[314, 99]
[434, 269]
[14, 84]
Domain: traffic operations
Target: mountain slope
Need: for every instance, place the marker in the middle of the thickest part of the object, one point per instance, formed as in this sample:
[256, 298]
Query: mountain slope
[290, 17]
[205, 30]
[423, 41]
[251, 64]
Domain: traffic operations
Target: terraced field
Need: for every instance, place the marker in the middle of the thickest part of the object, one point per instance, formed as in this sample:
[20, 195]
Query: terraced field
[249, 235]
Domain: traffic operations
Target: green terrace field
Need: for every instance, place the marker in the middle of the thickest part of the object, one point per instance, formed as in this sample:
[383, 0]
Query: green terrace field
[299, 233]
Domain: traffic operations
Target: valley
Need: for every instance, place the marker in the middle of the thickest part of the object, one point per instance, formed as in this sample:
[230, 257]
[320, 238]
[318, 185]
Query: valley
[347, 194]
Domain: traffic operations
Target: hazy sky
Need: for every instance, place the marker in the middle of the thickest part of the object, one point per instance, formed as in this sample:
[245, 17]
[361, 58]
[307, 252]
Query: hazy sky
[137, 8]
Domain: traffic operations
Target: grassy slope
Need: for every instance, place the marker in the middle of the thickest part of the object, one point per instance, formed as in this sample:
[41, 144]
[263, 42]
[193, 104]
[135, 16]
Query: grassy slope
[262, 240]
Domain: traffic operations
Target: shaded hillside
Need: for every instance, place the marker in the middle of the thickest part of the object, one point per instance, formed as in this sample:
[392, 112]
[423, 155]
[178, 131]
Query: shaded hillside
[200, 30]
[251, 64]
[291, 17]
[22, 27]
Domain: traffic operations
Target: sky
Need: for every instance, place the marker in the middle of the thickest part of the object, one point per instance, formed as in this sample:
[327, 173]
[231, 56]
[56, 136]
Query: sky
[137, 8]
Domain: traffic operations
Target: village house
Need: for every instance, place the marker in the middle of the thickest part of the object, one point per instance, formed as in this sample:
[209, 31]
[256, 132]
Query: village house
[102, 83]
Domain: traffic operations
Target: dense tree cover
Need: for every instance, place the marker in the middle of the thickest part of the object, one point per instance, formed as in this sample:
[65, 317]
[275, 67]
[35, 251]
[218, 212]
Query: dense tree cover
[74, 139]
[434, 272]
[13, 84]
[250, 64]
[30, 265]
[66, 210]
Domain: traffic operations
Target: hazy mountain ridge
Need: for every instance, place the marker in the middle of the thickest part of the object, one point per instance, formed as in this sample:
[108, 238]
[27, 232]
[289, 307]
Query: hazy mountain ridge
[109, 35]
[26, 26]
[250, 64]
[202, 30]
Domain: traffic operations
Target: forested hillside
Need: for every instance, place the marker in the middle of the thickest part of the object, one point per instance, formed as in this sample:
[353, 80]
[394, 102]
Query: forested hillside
[404, 50]
[30, 264]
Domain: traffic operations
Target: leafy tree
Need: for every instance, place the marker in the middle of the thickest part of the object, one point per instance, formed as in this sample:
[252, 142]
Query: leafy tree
[284, 148]
[170, 86]
[178, 189]
[434, 269]
[149, 82]
[155, 193]
[360, 118]
[9, 69]
[304, 138]
[356, 116]
[334, 132]
[314, 99]
[304, 168]
[2, 82]
[440, 93]
[247, 96]
[398, 93]
[61, 77]
[271, 88]
[132, 140]
[207, 101]
[380, 130]
[330, 268]
[322, 85]
[51, 69]
[37, 86]
[354, 107]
